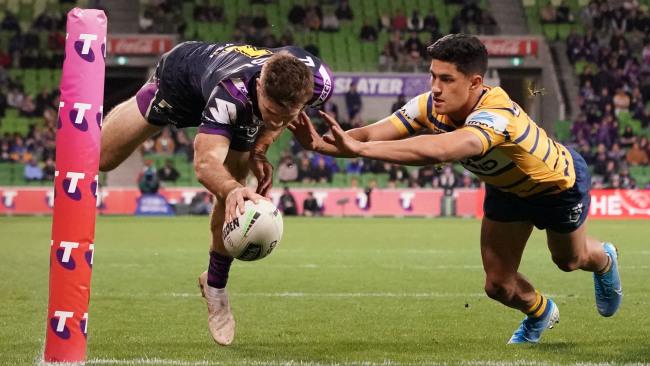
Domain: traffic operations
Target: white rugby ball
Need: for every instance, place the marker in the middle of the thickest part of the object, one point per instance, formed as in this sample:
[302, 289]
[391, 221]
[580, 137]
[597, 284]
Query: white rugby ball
[254, 234]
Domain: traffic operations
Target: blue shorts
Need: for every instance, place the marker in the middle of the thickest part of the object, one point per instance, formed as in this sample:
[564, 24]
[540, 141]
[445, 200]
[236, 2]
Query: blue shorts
[563, 212]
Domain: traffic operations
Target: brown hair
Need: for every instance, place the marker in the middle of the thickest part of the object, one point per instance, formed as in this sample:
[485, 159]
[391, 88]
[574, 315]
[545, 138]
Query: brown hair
[287, 81]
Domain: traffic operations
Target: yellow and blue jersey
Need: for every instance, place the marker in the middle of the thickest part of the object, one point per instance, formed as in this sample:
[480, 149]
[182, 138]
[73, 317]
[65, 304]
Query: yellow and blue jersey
[517, 157]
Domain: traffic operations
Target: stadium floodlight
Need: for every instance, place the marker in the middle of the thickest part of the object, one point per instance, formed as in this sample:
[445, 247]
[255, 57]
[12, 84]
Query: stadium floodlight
[76, 185]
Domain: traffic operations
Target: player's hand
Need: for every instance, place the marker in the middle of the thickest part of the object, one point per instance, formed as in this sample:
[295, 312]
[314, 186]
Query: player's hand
[339, 138]
[305, 132]
[263, 171]
[235, 201]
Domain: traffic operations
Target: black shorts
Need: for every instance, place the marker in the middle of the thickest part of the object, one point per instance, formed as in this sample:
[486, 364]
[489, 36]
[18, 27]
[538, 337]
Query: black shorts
[167, 98]
[563, 212]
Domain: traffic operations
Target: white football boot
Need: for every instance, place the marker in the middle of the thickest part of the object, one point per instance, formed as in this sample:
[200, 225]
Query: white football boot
[220, 320]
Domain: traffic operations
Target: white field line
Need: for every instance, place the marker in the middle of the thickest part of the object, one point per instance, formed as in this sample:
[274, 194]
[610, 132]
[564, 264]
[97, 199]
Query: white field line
[314, 295]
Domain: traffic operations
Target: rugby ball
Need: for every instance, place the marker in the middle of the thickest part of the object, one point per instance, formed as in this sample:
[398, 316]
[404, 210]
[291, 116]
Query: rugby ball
[254, 234]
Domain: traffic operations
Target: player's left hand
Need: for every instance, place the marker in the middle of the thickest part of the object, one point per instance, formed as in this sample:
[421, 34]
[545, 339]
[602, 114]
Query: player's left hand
[342, 140]
[263, 171]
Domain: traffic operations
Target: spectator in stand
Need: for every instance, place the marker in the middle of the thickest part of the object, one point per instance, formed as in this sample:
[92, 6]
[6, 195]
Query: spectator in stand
[354, 104]
[600, 160]
[310, 206]
[168, 172]
[616, 154]
[563, 14]
[585, 151]
[368, 32]
[259, 21]
[321, 173]
[415, 22]
[621, 101]
[343, 11]
[384, 22]
[5, 150]
[627, 138]
[33, 172]
[287, 170]
[447, 180]
[397, 174]
[304, 170]
[636, 155]
[297, 15]
[399, 21]
[49, 169]
[201, 204]
[148, 182]
[27, 108]
[287, 203]
[425, 176]
[354, 166]
[330, 21]
[467, 181]
[431, 24]
[165, 144]
[548, 14]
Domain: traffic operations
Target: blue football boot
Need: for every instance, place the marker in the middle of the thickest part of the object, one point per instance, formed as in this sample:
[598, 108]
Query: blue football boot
[530, 330]
[609, 292]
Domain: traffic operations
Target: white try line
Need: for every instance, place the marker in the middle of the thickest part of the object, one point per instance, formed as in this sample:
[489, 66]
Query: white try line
[315, 295]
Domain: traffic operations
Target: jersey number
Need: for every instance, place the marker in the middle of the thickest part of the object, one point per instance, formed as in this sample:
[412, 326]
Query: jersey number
[249, 51]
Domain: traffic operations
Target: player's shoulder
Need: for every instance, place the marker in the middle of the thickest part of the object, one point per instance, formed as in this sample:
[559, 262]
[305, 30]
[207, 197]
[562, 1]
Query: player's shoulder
[416, 107]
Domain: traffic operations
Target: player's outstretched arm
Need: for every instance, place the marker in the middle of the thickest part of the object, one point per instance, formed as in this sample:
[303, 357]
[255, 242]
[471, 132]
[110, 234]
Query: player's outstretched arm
[259, 164]
[306, 134]
[418, 150]
[210, 152]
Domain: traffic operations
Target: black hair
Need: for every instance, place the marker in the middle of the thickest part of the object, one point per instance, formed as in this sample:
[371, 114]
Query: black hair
[463, 50]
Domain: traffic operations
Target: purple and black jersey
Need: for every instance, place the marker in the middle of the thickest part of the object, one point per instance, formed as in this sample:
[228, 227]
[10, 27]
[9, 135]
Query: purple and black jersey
[213, 86]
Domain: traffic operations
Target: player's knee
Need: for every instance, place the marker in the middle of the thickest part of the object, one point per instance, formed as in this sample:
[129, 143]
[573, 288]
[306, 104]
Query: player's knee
[567, 264]
[499, 290]
[106, 164]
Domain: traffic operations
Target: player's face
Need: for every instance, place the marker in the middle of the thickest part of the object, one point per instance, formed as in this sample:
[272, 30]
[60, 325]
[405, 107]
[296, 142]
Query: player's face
[274, 115]
[450, 88]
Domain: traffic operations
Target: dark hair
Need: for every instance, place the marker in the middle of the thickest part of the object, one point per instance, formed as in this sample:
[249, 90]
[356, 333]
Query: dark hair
[287, 81]
[463, 50]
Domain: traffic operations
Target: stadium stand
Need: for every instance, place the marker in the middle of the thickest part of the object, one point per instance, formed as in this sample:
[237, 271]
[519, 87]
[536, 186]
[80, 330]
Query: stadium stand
[351, 36]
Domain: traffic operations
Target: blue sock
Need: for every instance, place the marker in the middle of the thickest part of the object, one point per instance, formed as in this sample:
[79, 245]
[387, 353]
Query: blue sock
[218, 270]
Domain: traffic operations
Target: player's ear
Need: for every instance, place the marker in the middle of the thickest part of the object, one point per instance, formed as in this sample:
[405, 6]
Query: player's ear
[476, 81]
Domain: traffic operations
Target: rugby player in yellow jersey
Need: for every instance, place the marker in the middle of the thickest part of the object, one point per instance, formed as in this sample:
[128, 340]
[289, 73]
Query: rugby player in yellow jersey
[530, 179]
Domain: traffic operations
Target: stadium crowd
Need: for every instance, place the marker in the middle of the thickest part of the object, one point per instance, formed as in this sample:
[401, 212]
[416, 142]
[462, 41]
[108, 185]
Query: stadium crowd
[614, 84]
[614, 81]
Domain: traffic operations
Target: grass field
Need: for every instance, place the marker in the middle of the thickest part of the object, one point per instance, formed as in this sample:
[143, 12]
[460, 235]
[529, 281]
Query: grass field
[336, 291]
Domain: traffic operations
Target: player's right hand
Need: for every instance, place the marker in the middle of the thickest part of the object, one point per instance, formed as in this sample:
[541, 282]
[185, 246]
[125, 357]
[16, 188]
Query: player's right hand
[305, 132]
[235, 201]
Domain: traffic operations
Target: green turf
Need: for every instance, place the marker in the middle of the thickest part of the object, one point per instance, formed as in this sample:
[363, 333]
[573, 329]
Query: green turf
[346, 291]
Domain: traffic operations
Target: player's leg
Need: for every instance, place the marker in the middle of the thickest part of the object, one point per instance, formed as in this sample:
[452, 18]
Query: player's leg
[576, 250]
[572, 249]
[505, 230]
[123, 130]
[502, 245]
[213, 282]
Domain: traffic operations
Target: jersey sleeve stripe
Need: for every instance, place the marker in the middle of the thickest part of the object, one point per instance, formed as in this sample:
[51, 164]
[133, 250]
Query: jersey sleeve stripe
[433, 120]
[524, 179]
[506, 168]
[532, 150]
[485, 134]
[566, 169]
[523, 136]
[406, 123]
[547, 151]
